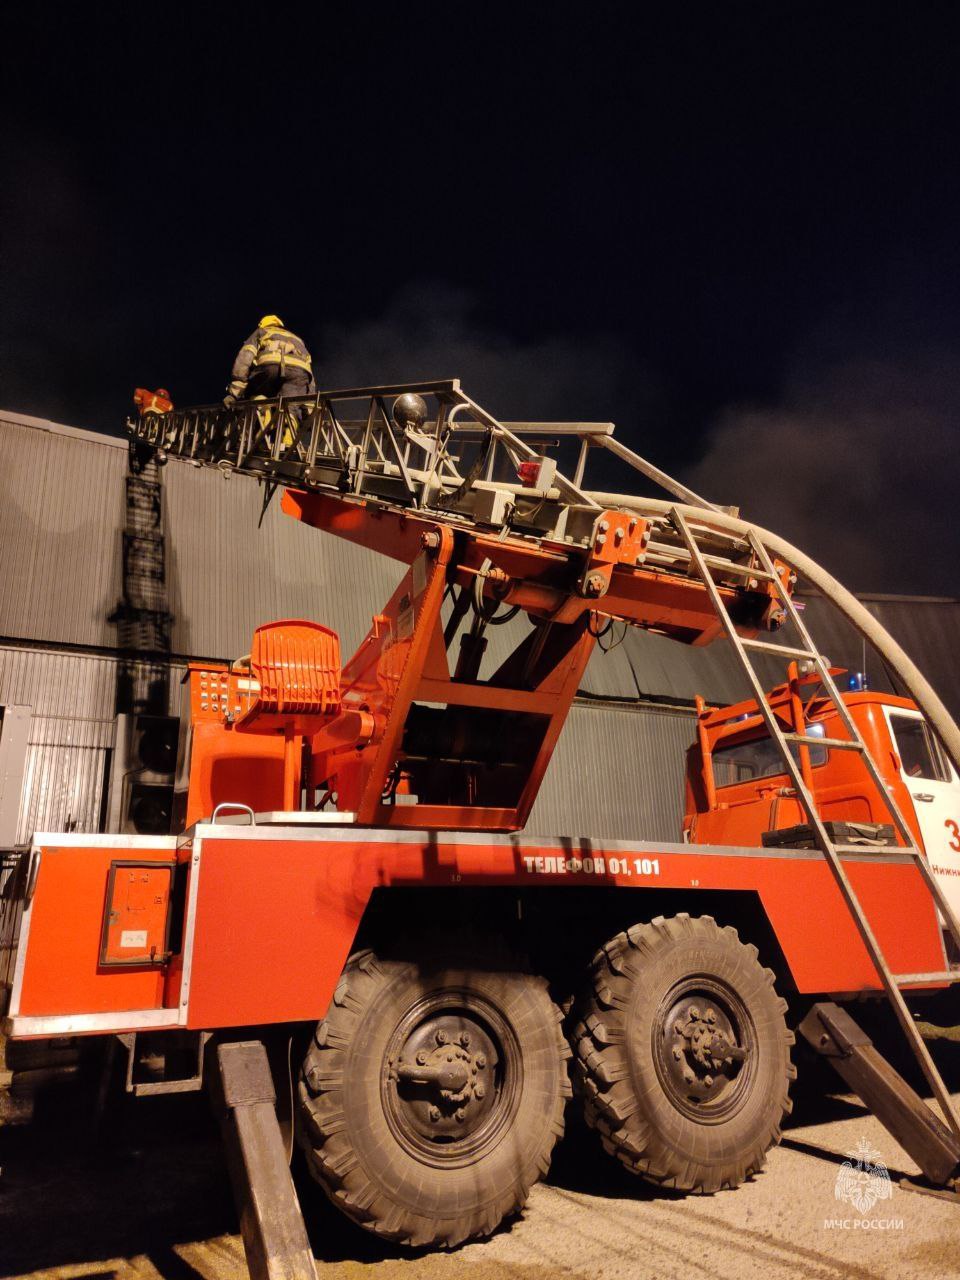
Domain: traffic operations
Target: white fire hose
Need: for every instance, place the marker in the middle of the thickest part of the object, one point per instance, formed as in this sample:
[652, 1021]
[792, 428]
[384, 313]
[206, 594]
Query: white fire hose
[861, 618]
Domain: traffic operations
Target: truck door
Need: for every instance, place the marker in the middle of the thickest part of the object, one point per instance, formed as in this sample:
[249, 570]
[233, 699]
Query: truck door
[934, 791]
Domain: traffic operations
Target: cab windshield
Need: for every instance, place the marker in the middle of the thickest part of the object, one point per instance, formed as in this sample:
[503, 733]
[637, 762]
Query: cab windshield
[760, 758]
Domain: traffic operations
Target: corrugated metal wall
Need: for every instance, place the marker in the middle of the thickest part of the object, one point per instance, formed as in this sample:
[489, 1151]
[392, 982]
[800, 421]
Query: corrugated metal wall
[616, 774]
[71, 734]
[929, 631]
[225, 576]
[64, 778]
[61, 517]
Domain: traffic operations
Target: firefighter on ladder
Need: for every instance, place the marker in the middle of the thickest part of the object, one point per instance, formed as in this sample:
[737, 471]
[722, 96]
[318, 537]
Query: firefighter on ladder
[272, 362]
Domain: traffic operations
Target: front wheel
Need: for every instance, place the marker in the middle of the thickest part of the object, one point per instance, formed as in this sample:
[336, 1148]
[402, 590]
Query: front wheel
[432, 1095]
[682, 1054]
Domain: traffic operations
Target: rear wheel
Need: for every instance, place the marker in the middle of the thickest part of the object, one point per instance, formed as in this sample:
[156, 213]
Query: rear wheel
[683, 1055]
[432, 1095]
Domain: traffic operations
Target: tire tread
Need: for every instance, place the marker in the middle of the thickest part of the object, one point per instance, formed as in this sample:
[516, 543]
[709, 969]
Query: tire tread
[324, 1129]
[601, 1066]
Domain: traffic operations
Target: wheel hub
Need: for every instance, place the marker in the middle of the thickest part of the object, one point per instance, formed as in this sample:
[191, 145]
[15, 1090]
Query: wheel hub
[705, 1041]
[704, 1047]
[445, 1078]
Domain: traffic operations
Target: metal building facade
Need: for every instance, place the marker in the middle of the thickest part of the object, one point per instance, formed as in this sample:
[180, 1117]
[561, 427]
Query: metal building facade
[60, 530]
[72, 696]
[617, 774]
[60, 518]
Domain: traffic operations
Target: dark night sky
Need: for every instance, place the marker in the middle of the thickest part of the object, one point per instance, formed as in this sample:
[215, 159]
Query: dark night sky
[731, 228]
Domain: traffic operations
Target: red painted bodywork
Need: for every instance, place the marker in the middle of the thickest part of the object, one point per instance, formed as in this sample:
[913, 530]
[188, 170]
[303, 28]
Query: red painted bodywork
[225, 766]
[318, 890]
[63, 969]
[275, 913]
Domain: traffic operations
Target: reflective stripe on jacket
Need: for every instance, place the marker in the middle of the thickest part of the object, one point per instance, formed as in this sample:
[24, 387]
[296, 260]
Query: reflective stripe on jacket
[268, 348]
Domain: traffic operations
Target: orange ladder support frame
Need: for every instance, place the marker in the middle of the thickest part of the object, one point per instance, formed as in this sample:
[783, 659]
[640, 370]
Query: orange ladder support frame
[404, 662]
[371, 729]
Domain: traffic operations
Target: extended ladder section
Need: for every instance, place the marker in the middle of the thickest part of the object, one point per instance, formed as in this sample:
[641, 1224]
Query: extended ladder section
[365, 445]
[456, 465]
[807, 652]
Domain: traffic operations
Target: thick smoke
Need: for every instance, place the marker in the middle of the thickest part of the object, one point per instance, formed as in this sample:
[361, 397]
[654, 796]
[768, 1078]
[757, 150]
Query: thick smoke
[431, 330]
[857, 462]
[858, 465]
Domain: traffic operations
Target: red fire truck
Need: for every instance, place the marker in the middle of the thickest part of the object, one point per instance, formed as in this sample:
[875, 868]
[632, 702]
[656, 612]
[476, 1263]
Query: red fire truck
[350, 886]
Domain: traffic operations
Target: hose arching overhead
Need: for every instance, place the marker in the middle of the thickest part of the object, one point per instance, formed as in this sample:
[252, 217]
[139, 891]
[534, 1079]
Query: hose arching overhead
[861, 618]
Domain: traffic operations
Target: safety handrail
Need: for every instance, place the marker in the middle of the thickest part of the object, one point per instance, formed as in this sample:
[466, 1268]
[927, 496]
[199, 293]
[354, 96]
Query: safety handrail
[228, 804]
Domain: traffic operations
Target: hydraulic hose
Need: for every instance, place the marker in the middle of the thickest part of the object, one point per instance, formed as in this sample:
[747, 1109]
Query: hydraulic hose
[861, 618]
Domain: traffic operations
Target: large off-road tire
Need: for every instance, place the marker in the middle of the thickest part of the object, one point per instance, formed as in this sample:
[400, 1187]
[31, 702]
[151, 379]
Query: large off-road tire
[437, 1158]
[682, 1054]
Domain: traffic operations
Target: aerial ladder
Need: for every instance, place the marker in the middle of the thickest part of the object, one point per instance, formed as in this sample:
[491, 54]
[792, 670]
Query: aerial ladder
[376, 466]
[420, 731]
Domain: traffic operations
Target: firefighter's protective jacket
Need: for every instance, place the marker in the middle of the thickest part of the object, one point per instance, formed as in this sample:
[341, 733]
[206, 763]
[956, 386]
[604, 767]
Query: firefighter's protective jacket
[272, 348]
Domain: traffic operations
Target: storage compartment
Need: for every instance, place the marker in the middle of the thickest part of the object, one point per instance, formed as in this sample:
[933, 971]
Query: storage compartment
[136, 922]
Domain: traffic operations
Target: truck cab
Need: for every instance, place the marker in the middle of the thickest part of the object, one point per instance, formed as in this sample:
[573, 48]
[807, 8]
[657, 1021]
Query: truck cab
[738, 791]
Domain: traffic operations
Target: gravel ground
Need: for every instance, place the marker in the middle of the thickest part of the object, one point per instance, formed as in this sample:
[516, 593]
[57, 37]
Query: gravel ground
[153, 1203]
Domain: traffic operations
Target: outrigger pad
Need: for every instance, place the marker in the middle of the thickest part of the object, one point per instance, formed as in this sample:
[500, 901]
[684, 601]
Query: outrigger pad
[245, 1073]
[833, 1033]
[274, 1236]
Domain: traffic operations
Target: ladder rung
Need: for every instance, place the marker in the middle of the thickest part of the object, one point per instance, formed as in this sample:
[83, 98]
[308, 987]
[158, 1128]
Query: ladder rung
[743, 570]
[908, 979]
[676, 555]
[833, 744]
[782, 650]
